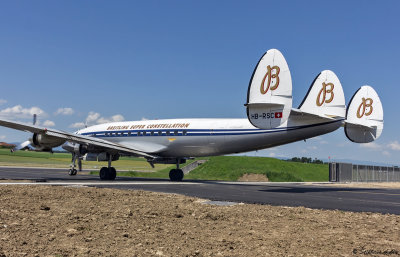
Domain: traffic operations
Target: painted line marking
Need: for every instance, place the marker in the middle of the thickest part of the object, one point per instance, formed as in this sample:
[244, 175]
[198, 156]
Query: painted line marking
[98, 183]
[371, 193]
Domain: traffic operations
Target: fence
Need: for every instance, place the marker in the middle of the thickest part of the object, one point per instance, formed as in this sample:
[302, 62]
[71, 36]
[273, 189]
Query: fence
[188, 168]
[347, 172]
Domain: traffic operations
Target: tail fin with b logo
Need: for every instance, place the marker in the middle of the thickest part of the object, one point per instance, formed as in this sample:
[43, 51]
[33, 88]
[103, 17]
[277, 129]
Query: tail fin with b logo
[325, 98]
[269, 97]
[364, 117]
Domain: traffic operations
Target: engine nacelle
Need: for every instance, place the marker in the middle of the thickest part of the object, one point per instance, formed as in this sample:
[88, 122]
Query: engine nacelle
[101, 157]
[167, 160]
[80, 149]
[45, 142]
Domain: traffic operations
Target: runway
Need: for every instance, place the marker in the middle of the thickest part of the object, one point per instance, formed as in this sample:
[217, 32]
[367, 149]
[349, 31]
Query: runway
[311, 195]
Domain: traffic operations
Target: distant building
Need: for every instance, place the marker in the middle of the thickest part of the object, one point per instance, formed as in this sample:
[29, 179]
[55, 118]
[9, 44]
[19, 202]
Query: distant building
[6, 145]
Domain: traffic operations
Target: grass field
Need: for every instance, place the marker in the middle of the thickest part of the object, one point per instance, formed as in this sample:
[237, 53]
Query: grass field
[63, 160]
[229, 168]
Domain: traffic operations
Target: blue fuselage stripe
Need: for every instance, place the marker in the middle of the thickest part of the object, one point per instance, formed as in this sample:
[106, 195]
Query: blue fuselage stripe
[197, 132]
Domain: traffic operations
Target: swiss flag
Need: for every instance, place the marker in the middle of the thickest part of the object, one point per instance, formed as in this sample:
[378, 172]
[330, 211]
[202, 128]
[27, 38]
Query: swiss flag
[278, 115]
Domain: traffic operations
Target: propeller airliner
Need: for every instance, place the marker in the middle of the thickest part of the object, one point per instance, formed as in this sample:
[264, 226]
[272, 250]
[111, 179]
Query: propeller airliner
[271, 121]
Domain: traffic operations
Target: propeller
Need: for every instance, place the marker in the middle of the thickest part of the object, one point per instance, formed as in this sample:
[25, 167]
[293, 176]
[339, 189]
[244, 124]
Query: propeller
[28, 142]
[22, 145]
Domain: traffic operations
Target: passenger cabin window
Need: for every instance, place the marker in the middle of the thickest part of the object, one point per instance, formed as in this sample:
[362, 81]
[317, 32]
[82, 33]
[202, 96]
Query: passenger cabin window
[152, 133]
[168, 133]
[184, 132]
[159, 133]
[176, 132]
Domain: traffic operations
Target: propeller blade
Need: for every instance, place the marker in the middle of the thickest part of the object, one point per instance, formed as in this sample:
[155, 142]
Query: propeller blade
[22, 145]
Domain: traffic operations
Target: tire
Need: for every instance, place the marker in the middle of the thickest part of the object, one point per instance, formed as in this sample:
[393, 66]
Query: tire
[103, 173]
[172, 175]
[179, 175]
[112, 173]
[176, 175]
[72, 172]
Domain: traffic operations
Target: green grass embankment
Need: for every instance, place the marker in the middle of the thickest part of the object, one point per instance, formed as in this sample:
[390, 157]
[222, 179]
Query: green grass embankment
[233, 167]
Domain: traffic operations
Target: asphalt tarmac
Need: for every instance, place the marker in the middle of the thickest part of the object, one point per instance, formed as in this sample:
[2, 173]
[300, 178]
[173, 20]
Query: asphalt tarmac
[314, 195]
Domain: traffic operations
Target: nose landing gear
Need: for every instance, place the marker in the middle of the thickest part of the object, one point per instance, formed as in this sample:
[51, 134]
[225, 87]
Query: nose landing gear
[72, 171]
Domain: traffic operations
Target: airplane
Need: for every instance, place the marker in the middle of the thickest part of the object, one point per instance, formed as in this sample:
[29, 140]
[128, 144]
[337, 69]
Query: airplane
[271, 121]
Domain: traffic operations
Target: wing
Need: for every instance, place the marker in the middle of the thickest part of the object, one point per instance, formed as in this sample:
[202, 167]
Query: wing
[76, 138]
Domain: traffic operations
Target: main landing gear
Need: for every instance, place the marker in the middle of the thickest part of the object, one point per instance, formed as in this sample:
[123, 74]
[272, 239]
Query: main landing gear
[176, 174]
[108, 173]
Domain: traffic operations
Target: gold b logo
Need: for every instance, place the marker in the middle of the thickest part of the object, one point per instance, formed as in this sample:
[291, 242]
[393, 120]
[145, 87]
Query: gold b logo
[270, 76]
[365, 103]
[321, 98]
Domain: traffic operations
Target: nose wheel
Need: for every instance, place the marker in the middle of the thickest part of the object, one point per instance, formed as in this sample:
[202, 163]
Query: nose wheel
[72, 172]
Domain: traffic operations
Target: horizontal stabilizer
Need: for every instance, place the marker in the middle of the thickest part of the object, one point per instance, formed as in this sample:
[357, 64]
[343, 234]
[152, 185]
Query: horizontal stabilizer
[269, 97]
[364, 118]
[298, 113]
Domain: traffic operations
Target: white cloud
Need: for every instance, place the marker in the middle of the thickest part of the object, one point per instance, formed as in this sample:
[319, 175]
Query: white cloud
[372, 146]
[20, 112]
[115, 118]
[386, 153]
[94, 118]
[48, 123]
[2, 137]
[395, 145]
[77, 125]
[272, 154]
[64, 111]
[2, 101]
[144, 118]
[345, 143]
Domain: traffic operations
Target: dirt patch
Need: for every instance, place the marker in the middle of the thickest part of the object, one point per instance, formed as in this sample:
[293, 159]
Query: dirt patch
[80, 221]
[14, 181]
[252, 177]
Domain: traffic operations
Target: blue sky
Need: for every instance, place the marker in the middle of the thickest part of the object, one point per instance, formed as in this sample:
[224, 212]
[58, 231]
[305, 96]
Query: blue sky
[95, 61]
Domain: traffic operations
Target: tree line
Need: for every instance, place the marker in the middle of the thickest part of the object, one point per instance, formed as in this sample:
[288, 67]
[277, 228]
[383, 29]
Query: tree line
[306, 160]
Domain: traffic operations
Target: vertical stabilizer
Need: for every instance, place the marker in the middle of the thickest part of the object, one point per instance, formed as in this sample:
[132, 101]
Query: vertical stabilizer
[364, 118]
[269, 97]
[325, 98]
